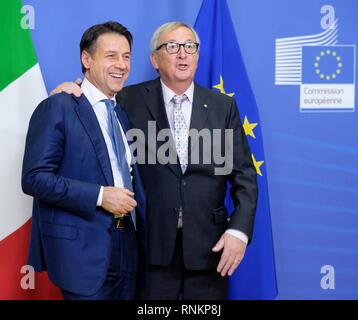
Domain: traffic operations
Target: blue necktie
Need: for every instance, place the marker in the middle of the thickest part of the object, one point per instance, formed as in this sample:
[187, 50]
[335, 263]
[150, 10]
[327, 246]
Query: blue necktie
[119, 148]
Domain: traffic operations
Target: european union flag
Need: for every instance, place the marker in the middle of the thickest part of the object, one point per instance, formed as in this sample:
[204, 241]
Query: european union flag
[328, 64]
[221, 67]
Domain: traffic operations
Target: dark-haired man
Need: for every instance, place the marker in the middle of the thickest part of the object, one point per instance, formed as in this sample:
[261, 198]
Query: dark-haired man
[77, 168]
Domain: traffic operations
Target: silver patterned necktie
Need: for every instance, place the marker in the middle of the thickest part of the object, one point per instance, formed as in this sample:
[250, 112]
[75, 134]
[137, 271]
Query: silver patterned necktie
[180, 132]
[181, 141]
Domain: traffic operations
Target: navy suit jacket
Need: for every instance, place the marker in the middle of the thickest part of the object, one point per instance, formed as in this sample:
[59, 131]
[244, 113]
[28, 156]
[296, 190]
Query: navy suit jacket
[65, 163]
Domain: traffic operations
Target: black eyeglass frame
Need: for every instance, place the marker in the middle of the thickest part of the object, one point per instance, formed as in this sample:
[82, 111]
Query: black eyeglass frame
[179, 45]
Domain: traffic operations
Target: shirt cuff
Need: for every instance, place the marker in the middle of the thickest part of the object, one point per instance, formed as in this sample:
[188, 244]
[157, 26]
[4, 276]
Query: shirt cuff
[238, 234]
[100, 196]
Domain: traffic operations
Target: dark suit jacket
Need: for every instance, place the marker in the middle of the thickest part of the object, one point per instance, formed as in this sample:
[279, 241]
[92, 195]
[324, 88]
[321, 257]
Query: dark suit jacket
[65, 163]
[199, 191]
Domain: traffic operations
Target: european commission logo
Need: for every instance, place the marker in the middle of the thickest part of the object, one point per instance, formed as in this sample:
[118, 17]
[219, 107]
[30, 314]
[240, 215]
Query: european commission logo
[327, 78]
[324, 70]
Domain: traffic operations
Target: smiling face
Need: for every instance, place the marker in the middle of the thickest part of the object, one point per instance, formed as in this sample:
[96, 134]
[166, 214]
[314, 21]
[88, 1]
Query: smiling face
[108, 67]
[177, 70]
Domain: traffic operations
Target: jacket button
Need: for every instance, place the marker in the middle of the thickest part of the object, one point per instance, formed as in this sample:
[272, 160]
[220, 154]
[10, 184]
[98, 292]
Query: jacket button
[183, 183]
[109, 230]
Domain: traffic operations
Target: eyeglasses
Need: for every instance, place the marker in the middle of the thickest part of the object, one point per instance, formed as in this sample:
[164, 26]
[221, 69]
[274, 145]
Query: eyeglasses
[174, 47]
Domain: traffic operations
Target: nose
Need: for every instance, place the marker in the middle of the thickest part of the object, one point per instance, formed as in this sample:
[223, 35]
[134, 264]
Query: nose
[120, 64]
[181, 53]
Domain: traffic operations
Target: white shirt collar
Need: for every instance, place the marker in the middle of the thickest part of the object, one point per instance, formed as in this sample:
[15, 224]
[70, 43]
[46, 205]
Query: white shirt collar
[92, 93]
[168, 94]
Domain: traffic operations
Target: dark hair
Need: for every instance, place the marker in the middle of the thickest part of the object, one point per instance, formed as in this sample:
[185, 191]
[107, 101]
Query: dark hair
[90, 36]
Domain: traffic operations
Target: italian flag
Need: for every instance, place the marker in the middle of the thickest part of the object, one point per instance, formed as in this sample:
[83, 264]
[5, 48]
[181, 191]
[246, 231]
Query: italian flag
[21, 90]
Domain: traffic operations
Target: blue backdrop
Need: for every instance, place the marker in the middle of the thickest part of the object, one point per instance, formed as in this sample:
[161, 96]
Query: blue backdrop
[311, 157]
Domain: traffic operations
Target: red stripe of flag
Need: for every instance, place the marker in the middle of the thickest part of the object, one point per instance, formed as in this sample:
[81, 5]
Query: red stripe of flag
[13, 256]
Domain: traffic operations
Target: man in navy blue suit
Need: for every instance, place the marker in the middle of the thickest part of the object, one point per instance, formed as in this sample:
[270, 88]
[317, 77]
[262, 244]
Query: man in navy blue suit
[87, 230]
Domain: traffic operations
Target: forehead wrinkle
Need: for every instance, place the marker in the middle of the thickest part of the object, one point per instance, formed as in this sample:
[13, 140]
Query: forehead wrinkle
[187, 40]
[185, 30]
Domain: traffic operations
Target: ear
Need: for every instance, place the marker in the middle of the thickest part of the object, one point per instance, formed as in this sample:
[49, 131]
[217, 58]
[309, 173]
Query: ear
[86, 59]
[153, 60]
[197, 59]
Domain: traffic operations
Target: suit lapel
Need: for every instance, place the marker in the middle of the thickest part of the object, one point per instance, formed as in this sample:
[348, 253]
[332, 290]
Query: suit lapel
[89, 120]
[122, 117]
[199, 115]
[153, 96]
[199, 111]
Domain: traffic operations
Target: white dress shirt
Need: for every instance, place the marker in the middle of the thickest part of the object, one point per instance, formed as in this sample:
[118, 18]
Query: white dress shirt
[94, 96]
[187, 106]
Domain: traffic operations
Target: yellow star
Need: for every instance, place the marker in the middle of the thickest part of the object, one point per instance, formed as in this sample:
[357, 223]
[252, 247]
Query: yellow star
[257, 165]
[248, 127]
[220, 86]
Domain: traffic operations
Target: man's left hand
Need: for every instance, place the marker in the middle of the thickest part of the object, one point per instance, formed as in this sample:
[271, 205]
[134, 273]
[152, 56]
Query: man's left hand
[233, 253]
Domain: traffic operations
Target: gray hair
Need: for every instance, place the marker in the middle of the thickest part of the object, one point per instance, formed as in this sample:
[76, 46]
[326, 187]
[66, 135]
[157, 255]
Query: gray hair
[168, 27]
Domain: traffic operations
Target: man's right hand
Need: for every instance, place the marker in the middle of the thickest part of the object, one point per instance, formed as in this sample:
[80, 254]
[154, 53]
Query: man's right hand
[118, 201]
[69, 87]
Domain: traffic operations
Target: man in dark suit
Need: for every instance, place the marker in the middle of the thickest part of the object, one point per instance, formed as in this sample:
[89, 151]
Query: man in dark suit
[187, 219]
[191, 244]
[77, 168]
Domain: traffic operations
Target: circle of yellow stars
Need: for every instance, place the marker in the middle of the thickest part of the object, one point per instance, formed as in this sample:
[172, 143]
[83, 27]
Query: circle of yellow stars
[328, 53]
[248, 127]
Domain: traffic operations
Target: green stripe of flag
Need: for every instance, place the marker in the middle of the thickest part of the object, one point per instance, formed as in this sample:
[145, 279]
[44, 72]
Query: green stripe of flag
[17, 54]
